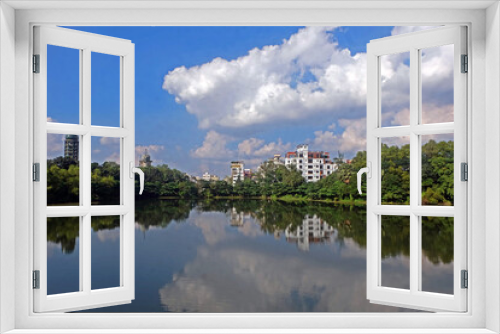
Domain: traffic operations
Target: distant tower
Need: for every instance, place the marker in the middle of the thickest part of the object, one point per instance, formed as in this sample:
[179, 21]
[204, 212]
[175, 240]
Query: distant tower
[145, 160]
[71, 147]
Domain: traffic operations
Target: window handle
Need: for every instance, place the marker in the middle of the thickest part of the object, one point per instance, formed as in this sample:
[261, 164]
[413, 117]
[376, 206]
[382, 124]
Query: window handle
[141, 176]
[368, 171]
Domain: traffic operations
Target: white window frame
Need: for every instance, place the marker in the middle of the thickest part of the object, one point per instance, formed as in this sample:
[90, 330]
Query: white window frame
[484, 102]
[86, 44]
[414, 43]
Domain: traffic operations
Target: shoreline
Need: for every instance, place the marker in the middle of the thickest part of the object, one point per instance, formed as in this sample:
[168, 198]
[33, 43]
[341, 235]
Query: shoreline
[286, 198]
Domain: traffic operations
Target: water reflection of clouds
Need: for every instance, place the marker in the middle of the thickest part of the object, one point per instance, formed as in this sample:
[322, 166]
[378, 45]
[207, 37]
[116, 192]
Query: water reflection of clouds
[215, 229]
[211, 225]
[53, 248]
[108, 235]
[260, 275]
[437, 277]
[396, 272]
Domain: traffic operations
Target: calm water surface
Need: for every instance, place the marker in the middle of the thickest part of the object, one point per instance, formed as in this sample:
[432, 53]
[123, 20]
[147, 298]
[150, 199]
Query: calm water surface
[249, 256]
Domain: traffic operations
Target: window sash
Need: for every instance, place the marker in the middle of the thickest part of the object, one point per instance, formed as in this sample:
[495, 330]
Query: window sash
[414, 298]
[86, 297]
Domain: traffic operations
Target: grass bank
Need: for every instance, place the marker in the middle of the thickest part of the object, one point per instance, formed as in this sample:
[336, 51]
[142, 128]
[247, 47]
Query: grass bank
[286, 198]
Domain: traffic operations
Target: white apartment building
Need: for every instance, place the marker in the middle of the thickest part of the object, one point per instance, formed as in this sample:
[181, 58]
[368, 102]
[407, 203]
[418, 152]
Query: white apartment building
[312, 230]
[208, 177]
[314, 165]
[237, 171]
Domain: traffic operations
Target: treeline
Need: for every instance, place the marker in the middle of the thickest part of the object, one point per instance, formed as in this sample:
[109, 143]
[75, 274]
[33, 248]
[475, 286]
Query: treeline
[273, 181]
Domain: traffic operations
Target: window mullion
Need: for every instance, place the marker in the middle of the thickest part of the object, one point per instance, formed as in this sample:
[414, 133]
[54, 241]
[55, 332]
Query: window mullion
[85, 273]
[85, 240]
[414, 171]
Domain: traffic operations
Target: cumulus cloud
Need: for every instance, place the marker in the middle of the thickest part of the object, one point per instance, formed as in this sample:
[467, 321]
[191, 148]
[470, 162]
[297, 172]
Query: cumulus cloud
[109, 141]
[253, 151]
[408, 29]
[113, 157]
[149, 148]
[298, 80]
[351, 140]
[437, 84]
[257, 147]
[55, 145]
[213, 147]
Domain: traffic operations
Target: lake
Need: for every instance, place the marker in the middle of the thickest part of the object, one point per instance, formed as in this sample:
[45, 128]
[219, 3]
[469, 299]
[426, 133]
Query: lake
[249, 256]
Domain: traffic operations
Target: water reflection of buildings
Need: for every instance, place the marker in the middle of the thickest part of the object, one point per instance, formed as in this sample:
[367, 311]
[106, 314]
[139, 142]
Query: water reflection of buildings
[238, 218]
[313, 230]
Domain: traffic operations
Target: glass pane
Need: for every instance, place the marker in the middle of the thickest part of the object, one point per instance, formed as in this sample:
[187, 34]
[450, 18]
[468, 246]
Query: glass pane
[105, 168]
[437, 169]
[63, 255]
[63, 169]
[437, 254]
[63, 85]
[395, 170]
[105, 90]
[437, 84]
[395, 265]
[395, 89]
[105, 247]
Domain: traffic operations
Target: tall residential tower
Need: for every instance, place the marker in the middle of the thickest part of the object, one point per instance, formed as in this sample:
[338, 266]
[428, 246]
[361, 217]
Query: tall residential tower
[71, 147]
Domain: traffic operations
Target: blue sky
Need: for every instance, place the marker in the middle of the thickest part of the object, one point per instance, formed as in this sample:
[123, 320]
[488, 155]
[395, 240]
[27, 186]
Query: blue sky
[209, 95]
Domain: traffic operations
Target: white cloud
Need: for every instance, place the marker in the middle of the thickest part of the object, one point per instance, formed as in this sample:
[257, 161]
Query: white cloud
[55, 145]
[351, 140]
[257, 147]
[267, 85]
[113, 157]
[354, 136]
[109, 141]
[249, 146]
[214, 147]
[408, 29]
[253, 150]
[325, 140]
[434, 114]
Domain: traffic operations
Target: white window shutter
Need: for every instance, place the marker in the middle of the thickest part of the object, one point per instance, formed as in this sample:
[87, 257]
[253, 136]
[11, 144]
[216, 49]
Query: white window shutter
[86, 297]
[415, 297]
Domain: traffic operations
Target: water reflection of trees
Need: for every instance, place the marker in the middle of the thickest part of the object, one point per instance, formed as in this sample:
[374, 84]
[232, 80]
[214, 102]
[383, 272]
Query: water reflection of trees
[160, 213]
[63, 231]
[275, 217]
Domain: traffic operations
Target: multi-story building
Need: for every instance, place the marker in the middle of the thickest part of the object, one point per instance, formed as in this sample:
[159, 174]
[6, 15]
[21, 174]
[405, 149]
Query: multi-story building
[314, 165]
[71, 147]
[208, 177]
[247, 173]
[237, 171]
[277, 160]
[312, 230]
